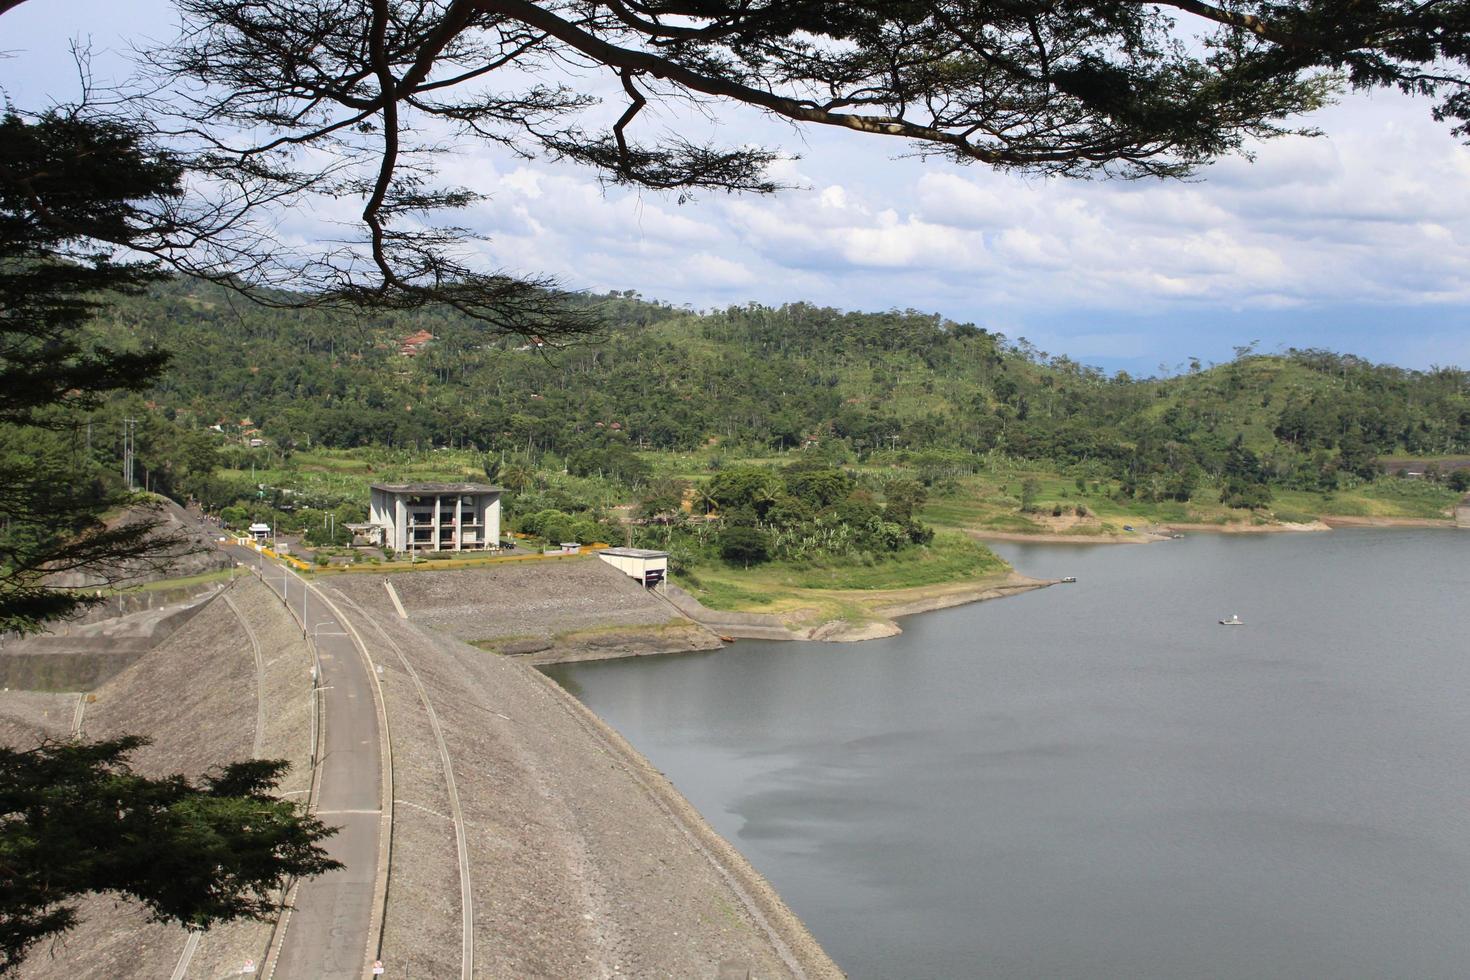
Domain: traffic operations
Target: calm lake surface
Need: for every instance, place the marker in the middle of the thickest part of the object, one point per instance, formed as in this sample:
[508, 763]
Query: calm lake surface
[1097, 780]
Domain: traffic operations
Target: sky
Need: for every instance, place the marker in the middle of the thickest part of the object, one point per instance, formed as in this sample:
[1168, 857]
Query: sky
[1356, 241]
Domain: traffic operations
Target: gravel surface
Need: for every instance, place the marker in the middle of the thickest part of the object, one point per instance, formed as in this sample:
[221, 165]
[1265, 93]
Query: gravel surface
[585, 862]
[29, 717]
[190, 548]
[552, 612]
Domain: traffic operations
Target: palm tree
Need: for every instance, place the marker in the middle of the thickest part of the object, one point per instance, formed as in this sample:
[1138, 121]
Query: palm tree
[517, 476]
[702, 498]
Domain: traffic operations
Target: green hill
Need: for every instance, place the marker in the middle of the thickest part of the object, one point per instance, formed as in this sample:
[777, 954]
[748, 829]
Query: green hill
[757, 380]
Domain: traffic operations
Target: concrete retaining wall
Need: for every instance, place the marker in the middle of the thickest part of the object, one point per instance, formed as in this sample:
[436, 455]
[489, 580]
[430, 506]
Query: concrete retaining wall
[83, 658]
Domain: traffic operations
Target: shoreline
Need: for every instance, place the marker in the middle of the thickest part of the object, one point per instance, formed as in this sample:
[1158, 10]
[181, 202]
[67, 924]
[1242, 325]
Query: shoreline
[700, 628]
[789, 936]
[1057, 537]
[1333, 521]
[1153, 533]
[883, 608]
[1014, 583]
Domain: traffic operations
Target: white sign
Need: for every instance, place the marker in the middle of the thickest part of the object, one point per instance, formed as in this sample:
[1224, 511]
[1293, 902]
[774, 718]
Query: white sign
[377, 968]
[249, 967]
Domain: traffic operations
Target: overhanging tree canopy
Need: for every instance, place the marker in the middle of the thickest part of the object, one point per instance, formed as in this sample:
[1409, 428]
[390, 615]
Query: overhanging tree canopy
[312, 104]
[354, 100]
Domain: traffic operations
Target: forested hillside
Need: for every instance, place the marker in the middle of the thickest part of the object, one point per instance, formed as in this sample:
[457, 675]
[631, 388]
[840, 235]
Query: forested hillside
[756, 379]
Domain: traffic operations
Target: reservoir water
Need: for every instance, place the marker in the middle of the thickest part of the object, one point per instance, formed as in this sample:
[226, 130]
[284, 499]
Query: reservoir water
[1097, 780]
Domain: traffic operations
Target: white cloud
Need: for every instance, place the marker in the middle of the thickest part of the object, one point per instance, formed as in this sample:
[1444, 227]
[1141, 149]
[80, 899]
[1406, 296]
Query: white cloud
[1374, 214]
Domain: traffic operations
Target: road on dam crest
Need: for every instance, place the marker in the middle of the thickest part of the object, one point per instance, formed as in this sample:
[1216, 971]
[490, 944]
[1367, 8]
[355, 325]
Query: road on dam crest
[332, 926]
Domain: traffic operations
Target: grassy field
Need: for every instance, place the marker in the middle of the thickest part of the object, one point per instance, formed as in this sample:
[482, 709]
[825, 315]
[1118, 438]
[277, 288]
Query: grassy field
[818, 593]
[1384, 498]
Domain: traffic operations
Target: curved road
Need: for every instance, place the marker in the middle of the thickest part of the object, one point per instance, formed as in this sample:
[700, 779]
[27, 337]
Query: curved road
[332, 929]
[466, 892]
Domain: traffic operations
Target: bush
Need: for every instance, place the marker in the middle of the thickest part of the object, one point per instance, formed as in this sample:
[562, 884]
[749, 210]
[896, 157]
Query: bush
[540, 522]
[1030, 487]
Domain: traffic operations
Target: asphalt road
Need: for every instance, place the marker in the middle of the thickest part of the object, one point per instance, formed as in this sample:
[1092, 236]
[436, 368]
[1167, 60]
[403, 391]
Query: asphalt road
[327, 934]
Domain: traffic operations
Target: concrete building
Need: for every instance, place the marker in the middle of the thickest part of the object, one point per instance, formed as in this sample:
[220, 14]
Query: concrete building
[437, 516]
[648, 567]
[368, 534]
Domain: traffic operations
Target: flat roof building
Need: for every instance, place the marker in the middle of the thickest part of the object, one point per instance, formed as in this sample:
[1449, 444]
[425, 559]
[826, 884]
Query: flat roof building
[648, 567]
[437, 516]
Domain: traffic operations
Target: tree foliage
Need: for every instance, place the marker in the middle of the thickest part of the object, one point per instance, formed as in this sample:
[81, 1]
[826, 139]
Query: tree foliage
[762, 380]
[1127, 88]
[68, 186]
[75, 819]
[278, 104]
[744, 545]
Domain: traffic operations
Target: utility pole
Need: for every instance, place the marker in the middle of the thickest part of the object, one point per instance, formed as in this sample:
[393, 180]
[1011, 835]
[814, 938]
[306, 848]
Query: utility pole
[128, 453]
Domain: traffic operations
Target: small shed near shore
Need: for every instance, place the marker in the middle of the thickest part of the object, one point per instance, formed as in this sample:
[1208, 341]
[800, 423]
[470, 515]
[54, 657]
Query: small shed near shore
[647, 567]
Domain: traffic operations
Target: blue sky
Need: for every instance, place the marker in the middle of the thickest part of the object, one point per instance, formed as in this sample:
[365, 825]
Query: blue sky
[1357, 241]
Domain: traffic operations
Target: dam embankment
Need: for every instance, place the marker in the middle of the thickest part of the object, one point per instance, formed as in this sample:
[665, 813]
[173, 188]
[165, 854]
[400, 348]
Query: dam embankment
[559, 851]
[84, 653]
[583, 860]
[549, 612]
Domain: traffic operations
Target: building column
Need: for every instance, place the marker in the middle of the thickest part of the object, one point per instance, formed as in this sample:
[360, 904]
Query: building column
[458, 522]
[435, 531]
[400, 523]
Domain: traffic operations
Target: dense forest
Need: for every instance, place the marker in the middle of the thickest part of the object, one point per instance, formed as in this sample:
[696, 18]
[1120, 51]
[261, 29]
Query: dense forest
[755, 380]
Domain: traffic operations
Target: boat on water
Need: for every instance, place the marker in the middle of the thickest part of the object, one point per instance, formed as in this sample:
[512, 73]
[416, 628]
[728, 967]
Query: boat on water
[1234, 620]
[1069, 578]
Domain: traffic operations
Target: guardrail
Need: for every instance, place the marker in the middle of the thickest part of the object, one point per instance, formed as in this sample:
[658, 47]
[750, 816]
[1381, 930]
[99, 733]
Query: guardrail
[291, 560]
